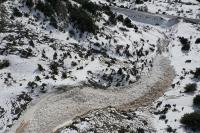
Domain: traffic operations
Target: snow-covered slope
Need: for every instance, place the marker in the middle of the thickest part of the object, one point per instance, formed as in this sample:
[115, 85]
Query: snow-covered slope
[36, 57]
[176, 101]
[41, 57]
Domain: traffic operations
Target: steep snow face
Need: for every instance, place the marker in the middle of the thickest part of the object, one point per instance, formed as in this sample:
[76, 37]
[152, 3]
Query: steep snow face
[176, 102]
[42, 57]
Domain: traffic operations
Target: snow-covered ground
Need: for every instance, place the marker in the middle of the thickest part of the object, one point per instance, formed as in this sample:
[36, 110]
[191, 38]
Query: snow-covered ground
[179, 101]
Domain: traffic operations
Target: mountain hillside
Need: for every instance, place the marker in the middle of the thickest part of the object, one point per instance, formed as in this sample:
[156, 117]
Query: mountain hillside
[84, 44]
[114, 55]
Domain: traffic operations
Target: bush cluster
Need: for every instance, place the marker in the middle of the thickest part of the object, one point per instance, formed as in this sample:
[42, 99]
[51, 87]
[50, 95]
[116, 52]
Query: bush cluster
[48, 8]
[80, 16]
[192, 120]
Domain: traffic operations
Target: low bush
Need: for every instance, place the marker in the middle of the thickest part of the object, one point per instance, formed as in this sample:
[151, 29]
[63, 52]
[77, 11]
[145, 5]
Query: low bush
[90, 6]
[185, 44]
[120, 18]
[107, 10]
[29, 3]
[191, 120]
[4, 64]
[64, 75]
[37, 78]
[17, 13]
[196, 101]
[139, 2]
[169, 129]
[53, 22]
[197, 41]
[40, 68]
[197, 73]
[32, 85]
[46, 8]
[190, 87]
[112, 20]
[54, 67]
[127, 23]
[162, 117]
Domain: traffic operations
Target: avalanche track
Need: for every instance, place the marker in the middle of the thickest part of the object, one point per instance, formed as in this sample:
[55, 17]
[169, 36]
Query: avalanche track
[58, 107]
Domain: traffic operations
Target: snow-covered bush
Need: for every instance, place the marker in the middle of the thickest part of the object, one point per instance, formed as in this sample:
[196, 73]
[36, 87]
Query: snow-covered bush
[191, 120]
[190, 87]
